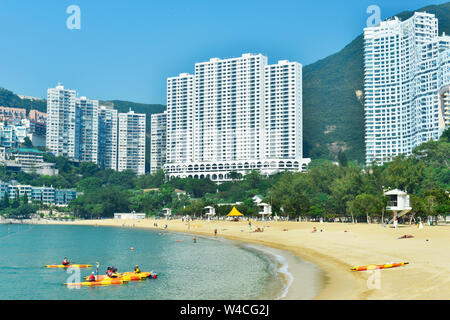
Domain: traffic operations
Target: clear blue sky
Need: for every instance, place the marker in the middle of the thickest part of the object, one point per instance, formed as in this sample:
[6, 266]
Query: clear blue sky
[126, 49]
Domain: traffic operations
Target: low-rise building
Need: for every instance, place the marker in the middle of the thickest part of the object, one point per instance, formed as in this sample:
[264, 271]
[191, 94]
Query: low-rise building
[47, 195]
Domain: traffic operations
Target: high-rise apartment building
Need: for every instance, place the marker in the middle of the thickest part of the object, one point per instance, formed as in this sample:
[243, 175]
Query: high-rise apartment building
[86, 129]
[238, 114]
[72, 129]
[401, 83]
[444, 82]
[107, 133]
[158, 141]
[61, 121]
[131, 142]
[283, 110]
[81, 130]
[180, 97]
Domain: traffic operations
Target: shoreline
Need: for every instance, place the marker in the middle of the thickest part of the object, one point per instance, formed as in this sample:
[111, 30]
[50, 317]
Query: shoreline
[335, 250]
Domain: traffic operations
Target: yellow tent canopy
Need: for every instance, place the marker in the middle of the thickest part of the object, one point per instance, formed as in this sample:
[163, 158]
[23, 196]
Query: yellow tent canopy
[234, 213]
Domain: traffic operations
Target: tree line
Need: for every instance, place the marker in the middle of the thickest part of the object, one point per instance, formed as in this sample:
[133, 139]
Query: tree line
[328, 190]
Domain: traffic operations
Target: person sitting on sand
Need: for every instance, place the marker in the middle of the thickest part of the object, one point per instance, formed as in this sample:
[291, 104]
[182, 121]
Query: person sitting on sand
[92, 277]
[65, 262]
[136, 269]
[406, 236]
[314, 229]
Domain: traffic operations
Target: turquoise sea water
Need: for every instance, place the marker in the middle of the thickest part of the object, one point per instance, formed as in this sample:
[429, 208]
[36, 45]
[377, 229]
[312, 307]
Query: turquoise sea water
[208, 269]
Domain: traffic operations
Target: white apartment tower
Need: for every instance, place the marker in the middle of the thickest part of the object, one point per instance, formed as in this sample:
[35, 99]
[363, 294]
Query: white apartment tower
[72, 126]
[61, 121]
[444, 82]
[107, 142]
[401, 84]
[180, 97]
[131, 142]
[283, 110]
[237, 114]
[158, 141]
[86, 129]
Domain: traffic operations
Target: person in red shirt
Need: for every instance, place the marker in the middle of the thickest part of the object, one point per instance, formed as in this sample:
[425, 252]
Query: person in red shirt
[92, 277]
[65, 262]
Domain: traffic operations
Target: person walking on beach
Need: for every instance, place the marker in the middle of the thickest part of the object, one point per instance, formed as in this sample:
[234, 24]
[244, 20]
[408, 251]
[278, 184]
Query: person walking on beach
[215, 232]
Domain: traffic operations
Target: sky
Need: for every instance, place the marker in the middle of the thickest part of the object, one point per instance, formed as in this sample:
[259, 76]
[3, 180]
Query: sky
[125, 50]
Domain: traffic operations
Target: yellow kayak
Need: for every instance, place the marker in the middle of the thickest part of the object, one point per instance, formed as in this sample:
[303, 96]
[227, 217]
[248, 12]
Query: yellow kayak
[104, 282]
[127, 276]
[68, 266]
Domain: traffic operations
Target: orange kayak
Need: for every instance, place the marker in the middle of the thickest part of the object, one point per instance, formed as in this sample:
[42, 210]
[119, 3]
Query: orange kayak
[379, 266]
[68, 266]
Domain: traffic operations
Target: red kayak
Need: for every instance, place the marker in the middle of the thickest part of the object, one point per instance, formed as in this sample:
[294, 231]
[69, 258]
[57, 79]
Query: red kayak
[379, 266]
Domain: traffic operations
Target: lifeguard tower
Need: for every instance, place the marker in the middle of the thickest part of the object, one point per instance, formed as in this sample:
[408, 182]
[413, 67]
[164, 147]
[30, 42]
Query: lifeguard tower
[398, 203]
[167, 212]
[265, 209]
[209, 211]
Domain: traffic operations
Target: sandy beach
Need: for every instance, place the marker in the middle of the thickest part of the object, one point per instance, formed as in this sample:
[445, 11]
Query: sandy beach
[335, 248]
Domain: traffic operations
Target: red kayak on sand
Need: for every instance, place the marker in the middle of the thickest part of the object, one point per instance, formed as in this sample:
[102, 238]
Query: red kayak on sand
[379, 266]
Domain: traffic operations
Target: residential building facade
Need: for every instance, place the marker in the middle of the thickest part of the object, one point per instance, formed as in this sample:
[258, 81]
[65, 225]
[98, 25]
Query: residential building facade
[107, 133]
[131, 142]
[158, 141]
[61, 124]
[237, 114]
[401, 84]
[86, 132]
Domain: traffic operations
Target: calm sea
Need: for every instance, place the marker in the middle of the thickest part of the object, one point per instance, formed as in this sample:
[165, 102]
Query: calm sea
[208, 269]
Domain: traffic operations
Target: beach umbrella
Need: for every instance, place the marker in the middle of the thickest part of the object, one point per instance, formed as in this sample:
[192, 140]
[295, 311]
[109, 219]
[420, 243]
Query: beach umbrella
[234, 213]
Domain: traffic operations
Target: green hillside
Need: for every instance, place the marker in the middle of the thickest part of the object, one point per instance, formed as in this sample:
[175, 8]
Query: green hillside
[333, 110]
[11, 100]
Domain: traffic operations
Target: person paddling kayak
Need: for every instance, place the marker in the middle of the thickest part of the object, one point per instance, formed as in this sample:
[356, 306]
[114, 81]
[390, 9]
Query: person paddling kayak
[112, 272]
[136, 269]
[92, 277]
[65, 262]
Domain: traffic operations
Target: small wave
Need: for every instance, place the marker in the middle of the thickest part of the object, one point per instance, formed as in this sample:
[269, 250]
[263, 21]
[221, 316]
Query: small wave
[283, 268]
